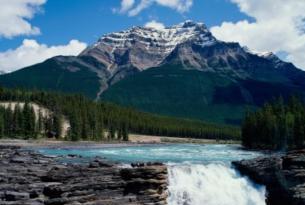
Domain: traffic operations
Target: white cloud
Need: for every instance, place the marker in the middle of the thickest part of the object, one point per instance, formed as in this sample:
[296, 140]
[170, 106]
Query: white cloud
[31, 52]
[126, 5]
[154, 24]
[278, 27]
[14, 16]
[133, 9]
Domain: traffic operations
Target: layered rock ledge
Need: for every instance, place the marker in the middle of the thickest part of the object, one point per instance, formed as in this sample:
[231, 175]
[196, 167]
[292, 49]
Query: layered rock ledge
[29, 178]
[283, 175]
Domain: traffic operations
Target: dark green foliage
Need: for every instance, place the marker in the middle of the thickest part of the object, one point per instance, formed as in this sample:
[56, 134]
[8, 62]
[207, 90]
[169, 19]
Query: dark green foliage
[89, 120]
[57, 125]
[189, 93]
[18, 122]
[53, 76]
[276, 126]
[2, 124]
[8, 121]
[28, 121]
[125, 133]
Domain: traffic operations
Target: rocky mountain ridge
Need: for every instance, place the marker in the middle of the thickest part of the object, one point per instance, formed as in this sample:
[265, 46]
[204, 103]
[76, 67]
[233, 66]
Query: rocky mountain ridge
[245, 78]
[143, 47]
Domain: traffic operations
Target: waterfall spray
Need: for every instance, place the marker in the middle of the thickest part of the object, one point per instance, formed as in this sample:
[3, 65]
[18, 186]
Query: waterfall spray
[213, 184]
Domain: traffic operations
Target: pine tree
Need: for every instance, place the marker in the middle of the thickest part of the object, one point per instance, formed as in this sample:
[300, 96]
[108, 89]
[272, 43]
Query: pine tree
[29, 121]
[111, 132]
[40, 123]
[17, 121]
[125, 132]
[276, 126]
[8, 122]
[57, 125]
[76, 128]
[2, 127]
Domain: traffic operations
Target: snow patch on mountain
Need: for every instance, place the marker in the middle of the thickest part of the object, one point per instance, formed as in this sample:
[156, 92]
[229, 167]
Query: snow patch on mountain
[146, 47]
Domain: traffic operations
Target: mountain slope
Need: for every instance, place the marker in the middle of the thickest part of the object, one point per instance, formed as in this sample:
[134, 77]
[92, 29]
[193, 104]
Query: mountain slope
[208, 96]
[52, 75]
[180, 70]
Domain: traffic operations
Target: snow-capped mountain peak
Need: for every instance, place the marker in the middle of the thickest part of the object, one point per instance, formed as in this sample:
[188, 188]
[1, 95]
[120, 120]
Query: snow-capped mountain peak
[153, 44]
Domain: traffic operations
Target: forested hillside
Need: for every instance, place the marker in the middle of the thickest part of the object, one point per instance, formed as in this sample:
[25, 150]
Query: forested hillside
[29, 120]
[89, 119]
[181, 71]
[278, 125]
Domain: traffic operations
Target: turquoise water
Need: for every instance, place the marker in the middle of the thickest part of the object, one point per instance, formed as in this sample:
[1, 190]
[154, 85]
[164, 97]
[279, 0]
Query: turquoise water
[197, 174]
[175, 153]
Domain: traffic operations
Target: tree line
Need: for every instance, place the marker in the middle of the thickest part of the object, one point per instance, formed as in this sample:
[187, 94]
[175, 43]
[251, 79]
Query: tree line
[92, 120]
[278, 125]
[19, 120]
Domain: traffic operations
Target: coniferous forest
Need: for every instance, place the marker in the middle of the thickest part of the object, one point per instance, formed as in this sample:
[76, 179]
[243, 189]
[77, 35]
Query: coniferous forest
[91, 120]
[277, 126]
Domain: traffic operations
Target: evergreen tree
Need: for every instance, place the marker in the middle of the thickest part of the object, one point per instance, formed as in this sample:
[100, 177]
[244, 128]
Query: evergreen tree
[89, 119]
[18, 121]
[57, 125]
[2, 127]
[125, 132]
[29, 121]
[40, 123]
[276, 126]
[8, 122]
[111, 132]
[75, 130]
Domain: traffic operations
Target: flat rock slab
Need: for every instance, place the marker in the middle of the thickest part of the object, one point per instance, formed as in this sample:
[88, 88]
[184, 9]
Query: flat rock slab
[29, 178]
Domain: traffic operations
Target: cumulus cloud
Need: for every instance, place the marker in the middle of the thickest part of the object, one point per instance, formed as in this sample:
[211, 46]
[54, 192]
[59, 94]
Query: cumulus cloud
[133, 9]
[31, 52]
[154, 24]
[15, 16]
[278, 26]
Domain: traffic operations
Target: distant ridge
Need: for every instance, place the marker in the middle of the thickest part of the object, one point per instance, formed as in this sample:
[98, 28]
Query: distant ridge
[182, 70]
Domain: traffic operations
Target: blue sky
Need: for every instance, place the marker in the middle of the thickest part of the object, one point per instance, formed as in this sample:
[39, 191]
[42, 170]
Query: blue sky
[34, 30]
[63, 20]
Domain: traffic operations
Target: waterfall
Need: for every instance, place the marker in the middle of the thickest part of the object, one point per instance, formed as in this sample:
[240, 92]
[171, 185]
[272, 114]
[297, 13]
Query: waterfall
[213, 184]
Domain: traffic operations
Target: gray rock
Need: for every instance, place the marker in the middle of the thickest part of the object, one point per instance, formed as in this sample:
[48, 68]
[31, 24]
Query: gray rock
[283, 175]
[16, 196]
[35, 179]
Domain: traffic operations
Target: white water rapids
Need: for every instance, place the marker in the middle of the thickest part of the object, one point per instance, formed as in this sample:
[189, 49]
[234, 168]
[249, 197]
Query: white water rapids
[197, 174]
[212, 184]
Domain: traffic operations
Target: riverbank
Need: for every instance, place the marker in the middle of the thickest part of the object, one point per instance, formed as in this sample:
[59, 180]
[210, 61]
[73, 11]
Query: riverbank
[29, 178]
[134, 139]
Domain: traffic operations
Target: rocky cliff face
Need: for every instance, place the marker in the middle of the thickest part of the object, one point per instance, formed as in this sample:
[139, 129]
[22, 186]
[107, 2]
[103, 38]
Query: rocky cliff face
[139, 48]
[284, 176]
[144, 48]
[28, 178]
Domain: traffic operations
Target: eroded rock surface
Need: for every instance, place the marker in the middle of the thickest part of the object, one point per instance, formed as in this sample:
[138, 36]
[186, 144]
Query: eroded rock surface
[283, 175]
[29, 178]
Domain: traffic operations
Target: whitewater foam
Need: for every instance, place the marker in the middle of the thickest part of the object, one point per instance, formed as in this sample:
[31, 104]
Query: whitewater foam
[207, 178]
[212, 184]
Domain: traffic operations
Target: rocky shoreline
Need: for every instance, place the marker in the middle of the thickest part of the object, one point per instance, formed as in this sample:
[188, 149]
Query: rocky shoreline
[29, 178]
[283, 175]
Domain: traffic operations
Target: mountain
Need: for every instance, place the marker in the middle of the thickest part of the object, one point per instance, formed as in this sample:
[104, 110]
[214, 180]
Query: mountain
[181, 71]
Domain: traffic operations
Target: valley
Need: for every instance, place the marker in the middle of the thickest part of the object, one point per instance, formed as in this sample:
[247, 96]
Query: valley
[181, 71]
[154, 116]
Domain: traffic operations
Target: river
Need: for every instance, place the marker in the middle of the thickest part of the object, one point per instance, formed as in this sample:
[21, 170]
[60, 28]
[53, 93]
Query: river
[198, 174]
